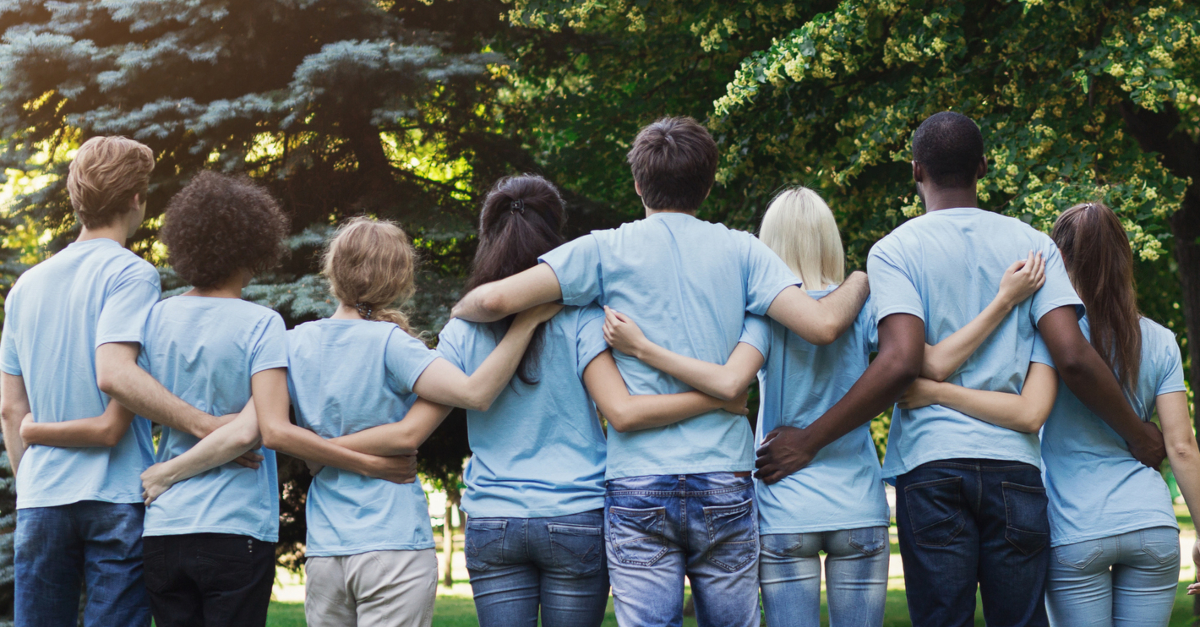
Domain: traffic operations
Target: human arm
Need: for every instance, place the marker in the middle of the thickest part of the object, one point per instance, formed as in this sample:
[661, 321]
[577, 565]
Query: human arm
[1025, 412]
[1185, 457]
[229, 442]
[398, 438]
[821, 321]
[119, 376]
[499, 299]
[626, 412]
[1089, 378]
[1019, 282]
[901, 344]
[14, 406]
[445, 384]
[105, 430]
[723, 381]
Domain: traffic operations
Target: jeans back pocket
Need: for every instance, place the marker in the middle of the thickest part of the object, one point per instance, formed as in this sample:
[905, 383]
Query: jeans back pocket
[732, 535]
[1026, 525]
[636, 535]
[869, 540]
[577, 550]
[485, 543]
[935, 510]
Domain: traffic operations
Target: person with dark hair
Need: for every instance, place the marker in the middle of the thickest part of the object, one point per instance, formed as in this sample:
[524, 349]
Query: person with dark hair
[1113, 530]
[214, 350]
[689, 284]
[970, 503]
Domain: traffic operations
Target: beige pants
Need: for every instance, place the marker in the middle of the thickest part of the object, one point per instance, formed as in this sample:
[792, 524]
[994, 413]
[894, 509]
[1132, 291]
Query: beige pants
[376, 589]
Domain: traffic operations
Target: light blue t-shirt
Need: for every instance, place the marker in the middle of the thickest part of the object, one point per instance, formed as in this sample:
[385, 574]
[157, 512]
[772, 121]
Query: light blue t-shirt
[346, 376]
[59, 312]
[688, 284]
[841, 488]
[945, 267]
[539, 450]
[1095, 486]
[205, 351]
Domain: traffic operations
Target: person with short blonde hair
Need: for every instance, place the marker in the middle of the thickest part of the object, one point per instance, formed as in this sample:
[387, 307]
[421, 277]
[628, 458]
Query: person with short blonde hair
[105, 176]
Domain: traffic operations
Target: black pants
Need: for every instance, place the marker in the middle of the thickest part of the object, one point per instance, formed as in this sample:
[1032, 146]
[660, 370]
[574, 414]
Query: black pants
[209, 579]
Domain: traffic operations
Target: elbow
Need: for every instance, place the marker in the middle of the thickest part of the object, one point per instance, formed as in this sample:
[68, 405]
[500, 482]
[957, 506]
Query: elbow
[492, 301]
[247, 439]
[111, 437]
[477, 403]
[107, 383]
[618, 420]
[904, 372]
[730, 390]
[825, 335]
[272, 438]
[1034, 424]
[1183, 453]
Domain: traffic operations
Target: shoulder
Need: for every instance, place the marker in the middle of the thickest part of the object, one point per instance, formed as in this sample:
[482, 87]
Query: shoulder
[128, 263]
[1157, 338]
[457, 330]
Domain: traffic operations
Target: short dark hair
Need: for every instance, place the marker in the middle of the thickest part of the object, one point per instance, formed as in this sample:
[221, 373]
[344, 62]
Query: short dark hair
[674, 162]
[219, 224]
[949, 147]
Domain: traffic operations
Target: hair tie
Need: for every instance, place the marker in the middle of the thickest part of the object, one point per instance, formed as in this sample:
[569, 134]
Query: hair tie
[516, 206]
[364, 310]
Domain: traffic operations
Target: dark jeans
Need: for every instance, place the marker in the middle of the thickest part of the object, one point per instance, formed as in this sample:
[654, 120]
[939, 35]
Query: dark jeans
[520, 564]
[964, 521]
[58, 548]
[209, 579]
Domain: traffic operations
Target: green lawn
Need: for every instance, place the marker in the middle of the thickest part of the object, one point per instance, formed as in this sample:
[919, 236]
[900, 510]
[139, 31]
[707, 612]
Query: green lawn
[459, 611]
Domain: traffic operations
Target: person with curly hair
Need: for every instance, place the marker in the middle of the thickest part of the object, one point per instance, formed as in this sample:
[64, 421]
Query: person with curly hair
[210, 526]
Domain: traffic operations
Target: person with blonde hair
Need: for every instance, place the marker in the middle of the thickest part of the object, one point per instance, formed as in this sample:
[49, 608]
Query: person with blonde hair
[370, 550]
[836, 503]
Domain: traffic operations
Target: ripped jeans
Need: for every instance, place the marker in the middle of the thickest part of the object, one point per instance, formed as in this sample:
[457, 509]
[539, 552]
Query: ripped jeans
[660, 528]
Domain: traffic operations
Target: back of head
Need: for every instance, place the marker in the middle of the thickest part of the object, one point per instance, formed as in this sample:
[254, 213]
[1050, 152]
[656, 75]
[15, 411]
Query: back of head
[522, 219]
[1099, 259]
[674, 162]
[220, 224]
[370, 265]
[801, 229]
[949, 147]
[105, 175]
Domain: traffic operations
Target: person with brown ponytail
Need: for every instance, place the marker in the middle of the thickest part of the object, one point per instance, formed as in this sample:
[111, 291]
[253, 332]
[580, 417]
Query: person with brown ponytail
[1112, 527]
[370, 547]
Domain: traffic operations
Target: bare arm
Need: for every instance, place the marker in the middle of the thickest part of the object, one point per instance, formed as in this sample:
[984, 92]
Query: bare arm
[821, 321]
[1185, 457]
[119, 376]
[279, 434]
[398, 438]
[901, 345]
[105, 430]
[1025, 412]
[503, 298]
[14, 406]
[724, 381]
[1086, 374]
[227, 443]
[626, 412]
[1019, 282]
[445, 384]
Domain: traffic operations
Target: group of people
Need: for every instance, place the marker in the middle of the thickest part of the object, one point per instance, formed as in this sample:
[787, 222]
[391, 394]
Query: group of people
[986, 332]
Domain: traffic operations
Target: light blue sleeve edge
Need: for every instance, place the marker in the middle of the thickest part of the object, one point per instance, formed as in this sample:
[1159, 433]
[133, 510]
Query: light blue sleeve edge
[269, 366]
[1055, 304]
[567, 299]
[883, 313]
[429, 359]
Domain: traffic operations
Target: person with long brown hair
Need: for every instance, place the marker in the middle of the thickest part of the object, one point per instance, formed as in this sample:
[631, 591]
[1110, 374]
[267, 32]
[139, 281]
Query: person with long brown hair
[1112, 527]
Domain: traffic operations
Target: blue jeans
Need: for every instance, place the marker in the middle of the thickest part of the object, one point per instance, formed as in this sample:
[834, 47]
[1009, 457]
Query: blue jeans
[1126, 580]
[661, 528]
[856, 573]
[964, 521]
[57, 548]
[557, 563]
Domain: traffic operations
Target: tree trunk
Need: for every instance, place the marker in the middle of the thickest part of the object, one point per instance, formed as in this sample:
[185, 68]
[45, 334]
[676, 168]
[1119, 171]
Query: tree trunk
[448, 544]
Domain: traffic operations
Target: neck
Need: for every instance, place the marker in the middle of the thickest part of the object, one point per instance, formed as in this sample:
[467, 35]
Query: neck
[229, 288]
[950, 198]
[346, 312]
[115, 232]
[650, 212]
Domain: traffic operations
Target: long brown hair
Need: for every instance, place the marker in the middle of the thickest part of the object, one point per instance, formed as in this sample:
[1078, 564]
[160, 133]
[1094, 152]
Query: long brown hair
[370, 265]
[522, 219]
[1099, 260]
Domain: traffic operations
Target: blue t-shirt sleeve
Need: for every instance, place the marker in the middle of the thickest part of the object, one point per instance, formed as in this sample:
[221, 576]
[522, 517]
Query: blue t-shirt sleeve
[1172, 365]
[892, 288]
[1041, 354]
[406, 358]
[589, 340]
[756, 331]
[270, 349]
[577, 266]
[868, 325]
[1057, 290]
[10, 363]
[127, 306]
[765, 275]
[450, 344]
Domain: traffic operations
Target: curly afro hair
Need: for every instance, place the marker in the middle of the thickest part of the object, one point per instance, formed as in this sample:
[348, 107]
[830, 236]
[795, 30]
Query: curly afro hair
[220, 224]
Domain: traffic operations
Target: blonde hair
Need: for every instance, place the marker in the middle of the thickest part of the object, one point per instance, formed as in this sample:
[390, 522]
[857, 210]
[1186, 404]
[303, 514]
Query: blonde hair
[800, 228]
[105, 175]
[370, 265]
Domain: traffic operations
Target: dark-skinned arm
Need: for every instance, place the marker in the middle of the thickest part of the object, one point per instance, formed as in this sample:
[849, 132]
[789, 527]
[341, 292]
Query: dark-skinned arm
[901, 354]
[1089, 378]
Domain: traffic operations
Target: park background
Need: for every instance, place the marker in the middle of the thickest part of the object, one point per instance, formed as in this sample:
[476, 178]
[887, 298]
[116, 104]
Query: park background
[410, 109]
